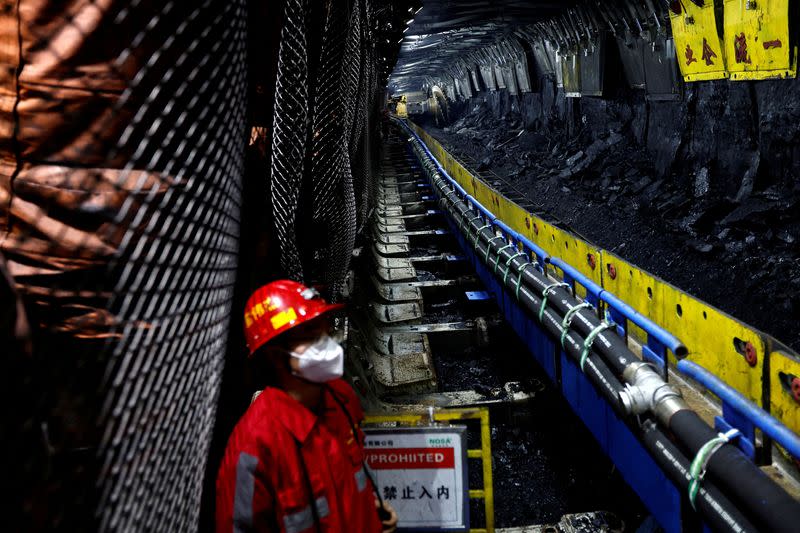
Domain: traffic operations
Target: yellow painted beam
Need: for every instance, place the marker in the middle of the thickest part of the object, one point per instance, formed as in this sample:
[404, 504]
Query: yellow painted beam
[783, 364]
[757, 39]
[715, 340]
[698, 48]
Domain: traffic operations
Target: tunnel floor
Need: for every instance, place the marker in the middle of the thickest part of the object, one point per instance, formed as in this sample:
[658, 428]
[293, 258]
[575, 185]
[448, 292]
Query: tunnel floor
[741, 257]
[545, 462]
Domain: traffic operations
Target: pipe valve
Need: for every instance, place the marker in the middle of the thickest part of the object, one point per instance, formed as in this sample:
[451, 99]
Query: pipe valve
[645, 390]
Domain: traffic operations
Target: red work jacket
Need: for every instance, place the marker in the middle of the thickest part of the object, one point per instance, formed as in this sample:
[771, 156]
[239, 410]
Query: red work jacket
[277, 449]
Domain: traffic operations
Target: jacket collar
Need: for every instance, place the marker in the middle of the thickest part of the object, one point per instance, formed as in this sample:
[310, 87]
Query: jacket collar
[298, 419]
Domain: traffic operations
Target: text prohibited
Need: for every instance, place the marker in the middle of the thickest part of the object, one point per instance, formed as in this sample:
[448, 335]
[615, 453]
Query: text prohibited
[422, 472]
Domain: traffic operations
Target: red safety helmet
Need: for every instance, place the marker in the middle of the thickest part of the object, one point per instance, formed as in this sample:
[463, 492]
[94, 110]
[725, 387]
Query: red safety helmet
[278, 307]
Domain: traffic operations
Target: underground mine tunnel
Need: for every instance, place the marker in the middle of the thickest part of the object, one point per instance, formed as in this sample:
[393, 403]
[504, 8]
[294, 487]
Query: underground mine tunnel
[401, 265]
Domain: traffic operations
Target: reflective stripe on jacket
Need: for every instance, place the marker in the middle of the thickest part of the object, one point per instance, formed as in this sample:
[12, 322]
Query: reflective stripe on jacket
[262, 484]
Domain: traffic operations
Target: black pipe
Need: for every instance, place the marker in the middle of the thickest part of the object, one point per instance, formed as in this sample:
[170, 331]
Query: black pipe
[771, 507]
[712, 505]
[768, 504]
[715, 508]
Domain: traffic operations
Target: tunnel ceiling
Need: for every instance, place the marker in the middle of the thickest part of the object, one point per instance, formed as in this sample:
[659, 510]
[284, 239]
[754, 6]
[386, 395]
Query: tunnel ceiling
[444, 29]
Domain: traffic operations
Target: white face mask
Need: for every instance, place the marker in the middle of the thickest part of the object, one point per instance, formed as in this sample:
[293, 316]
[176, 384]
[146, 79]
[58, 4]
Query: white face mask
[322, 361]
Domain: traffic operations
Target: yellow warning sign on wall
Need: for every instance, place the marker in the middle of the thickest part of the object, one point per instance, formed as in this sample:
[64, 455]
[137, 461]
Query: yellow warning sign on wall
[757, 39]
[699, 50]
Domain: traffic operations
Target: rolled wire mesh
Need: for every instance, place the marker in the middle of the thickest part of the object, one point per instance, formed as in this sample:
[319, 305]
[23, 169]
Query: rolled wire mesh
[290, 131]
[358, 154]
[120, 200]
[333, 193]
[119, 223]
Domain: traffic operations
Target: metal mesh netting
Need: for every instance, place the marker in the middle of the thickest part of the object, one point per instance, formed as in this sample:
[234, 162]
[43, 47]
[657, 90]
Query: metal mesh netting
[120, 191]
[338, 143]
[289, 131]
[122, 168]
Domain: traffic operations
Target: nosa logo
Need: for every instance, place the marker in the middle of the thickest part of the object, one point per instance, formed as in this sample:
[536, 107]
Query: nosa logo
[444, 441]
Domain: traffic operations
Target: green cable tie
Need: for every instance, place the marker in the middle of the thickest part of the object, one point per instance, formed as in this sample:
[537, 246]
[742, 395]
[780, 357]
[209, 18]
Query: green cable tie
[519, 277]
[697, 470]
[478, 235]
[508, 264]
[546, 293]
[489, 247]
[470, 221]
[567, 322]
[499, 252]
[587, 343]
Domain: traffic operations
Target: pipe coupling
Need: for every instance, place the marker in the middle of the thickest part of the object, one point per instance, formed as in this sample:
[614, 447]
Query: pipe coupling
[645, 390]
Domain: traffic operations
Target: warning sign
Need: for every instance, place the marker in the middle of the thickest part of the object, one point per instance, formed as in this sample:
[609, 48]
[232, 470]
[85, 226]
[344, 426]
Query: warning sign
[422, 473]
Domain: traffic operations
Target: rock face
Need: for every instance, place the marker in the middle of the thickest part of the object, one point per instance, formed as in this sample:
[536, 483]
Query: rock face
[703, 191]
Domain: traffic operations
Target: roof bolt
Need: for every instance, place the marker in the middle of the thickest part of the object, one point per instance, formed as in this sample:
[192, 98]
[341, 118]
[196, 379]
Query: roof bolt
[750, 354]
[796, 388]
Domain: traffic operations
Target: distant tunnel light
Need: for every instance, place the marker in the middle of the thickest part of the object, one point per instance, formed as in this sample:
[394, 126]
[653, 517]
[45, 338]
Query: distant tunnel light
[418, 10]
[409, 21]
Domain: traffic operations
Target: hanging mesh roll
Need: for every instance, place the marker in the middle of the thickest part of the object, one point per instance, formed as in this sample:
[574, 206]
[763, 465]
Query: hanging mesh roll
[333, 194]
[119, 222]
[356, 142]
[120, 201]
[289, 132]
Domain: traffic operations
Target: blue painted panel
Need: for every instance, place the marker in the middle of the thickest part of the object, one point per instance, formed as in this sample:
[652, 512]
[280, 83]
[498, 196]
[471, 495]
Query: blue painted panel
[477, 296]
[732, 419]
[655, 351]
[633, 461]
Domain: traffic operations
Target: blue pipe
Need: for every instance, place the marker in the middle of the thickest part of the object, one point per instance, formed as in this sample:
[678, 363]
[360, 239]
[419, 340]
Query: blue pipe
[591, 286]
[663, 336]
[767, 423]
[435, 161]
[488, 214]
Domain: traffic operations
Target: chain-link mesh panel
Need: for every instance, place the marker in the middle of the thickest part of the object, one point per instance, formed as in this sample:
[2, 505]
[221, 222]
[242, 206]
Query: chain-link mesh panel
[336, 177]
[290, 131]
[333, 194]
[121, 169]
[120, 191]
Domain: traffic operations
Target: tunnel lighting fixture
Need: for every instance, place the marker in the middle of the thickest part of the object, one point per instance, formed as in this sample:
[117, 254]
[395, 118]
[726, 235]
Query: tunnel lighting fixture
[405, 29]
[409, 21]
[400, 41]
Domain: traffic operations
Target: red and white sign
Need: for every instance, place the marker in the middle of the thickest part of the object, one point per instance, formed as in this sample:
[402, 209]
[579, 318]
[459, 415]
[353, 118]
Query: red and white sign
[421, 472]
[410, 458]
